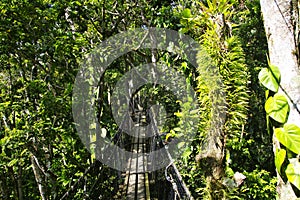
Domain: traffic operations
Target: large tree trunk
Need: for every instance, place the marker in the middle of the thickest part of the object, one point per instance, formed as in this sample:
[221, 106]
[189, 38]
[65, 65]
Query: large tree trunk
[281, 21]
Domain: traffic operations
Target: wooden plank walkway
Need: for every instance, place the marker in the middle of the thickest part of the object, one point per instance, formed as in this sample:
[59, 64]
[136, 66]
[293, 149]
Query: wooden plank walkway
[136, 181]
[139, 183]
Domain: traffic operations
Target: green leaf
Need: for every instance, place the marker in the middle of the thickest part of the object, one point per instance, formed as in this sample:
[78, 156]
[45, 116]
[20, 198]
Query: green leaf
[229, 172]
[186, 13]
[12, 162]
[177, 129]
[178, 114]
[270, 77]
[78, 3]
[277, 107]
[279, 158]
[289, 136]
[186, 154]
[293, 173]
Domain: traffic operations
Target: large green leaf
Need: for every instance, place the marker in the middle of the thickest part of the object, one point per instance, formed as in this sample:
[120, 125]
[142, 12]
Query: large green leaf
[270, 77]
[289, 136]
[293, 173]
[277, 107]
[279, 158]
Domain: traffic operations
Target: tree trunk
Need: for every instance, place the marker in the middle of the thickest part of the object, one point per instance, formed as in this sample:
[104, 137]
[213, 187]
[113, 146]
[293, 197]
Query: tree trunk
[19, 183]
[38, 177]
[281, 21]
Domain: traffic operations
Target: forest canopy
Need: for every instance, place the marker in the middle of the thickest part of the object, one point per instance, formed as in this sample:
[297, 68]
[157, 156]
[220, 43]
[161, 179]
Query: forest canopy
[43, 44]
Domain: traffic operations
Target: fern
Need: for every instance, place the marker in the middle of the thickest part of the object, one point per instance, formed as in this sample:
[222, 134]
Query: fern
[224, 84]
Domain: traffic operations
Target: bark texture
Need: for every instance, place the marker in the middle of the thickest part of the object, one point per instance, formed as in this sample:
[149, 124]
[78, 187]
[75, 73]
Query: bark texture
[281, 21]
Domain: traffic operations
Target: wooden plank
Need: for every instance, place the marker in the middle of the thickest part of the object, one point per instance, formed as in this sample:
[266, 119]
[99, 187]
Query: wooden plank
[136, 186]
[136, 179]
[131, 185]
[140, 182]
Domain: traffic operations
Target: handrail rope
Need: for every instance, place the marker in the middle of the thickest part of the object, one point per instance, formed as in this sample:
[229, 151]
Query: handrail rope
[94, 184]
[176, 172]
[118, 139]
[155, 129]
[182, 183]
[173, 183]
[74, 186]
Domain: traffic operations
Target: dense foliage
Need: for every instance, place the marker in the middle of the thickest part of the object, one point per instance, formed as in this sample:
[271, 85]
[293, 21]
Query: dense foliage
[220, 28]
[41, 45]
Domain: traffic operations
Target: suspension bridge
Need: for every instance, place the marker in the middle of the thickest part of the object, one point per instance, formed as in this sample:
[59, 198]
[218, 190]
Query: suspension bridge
[139, 182]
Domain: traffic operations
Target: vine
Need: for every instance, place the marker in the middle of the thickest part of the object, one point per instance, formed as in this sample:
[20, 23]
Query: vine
[277, 109]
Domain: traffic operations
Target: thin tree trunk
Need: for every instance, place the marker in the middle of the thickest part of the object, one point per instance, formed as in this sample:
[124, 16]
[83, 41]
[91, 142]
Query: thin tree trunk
[13, 179]
[19, 183]
[281, 21]
[38, 177]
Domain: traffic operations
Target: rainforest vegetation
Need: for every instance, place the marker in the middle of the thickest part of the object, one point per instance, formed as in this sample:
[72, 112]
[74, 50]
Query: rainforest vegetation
[42, 46]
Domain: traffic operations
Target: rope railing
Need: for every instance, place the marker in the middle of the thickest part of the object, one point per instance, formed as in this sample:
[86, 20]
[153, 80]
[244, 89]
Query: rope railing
[74, 187]
[80, 179]
[175, 188]
[172, 174]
